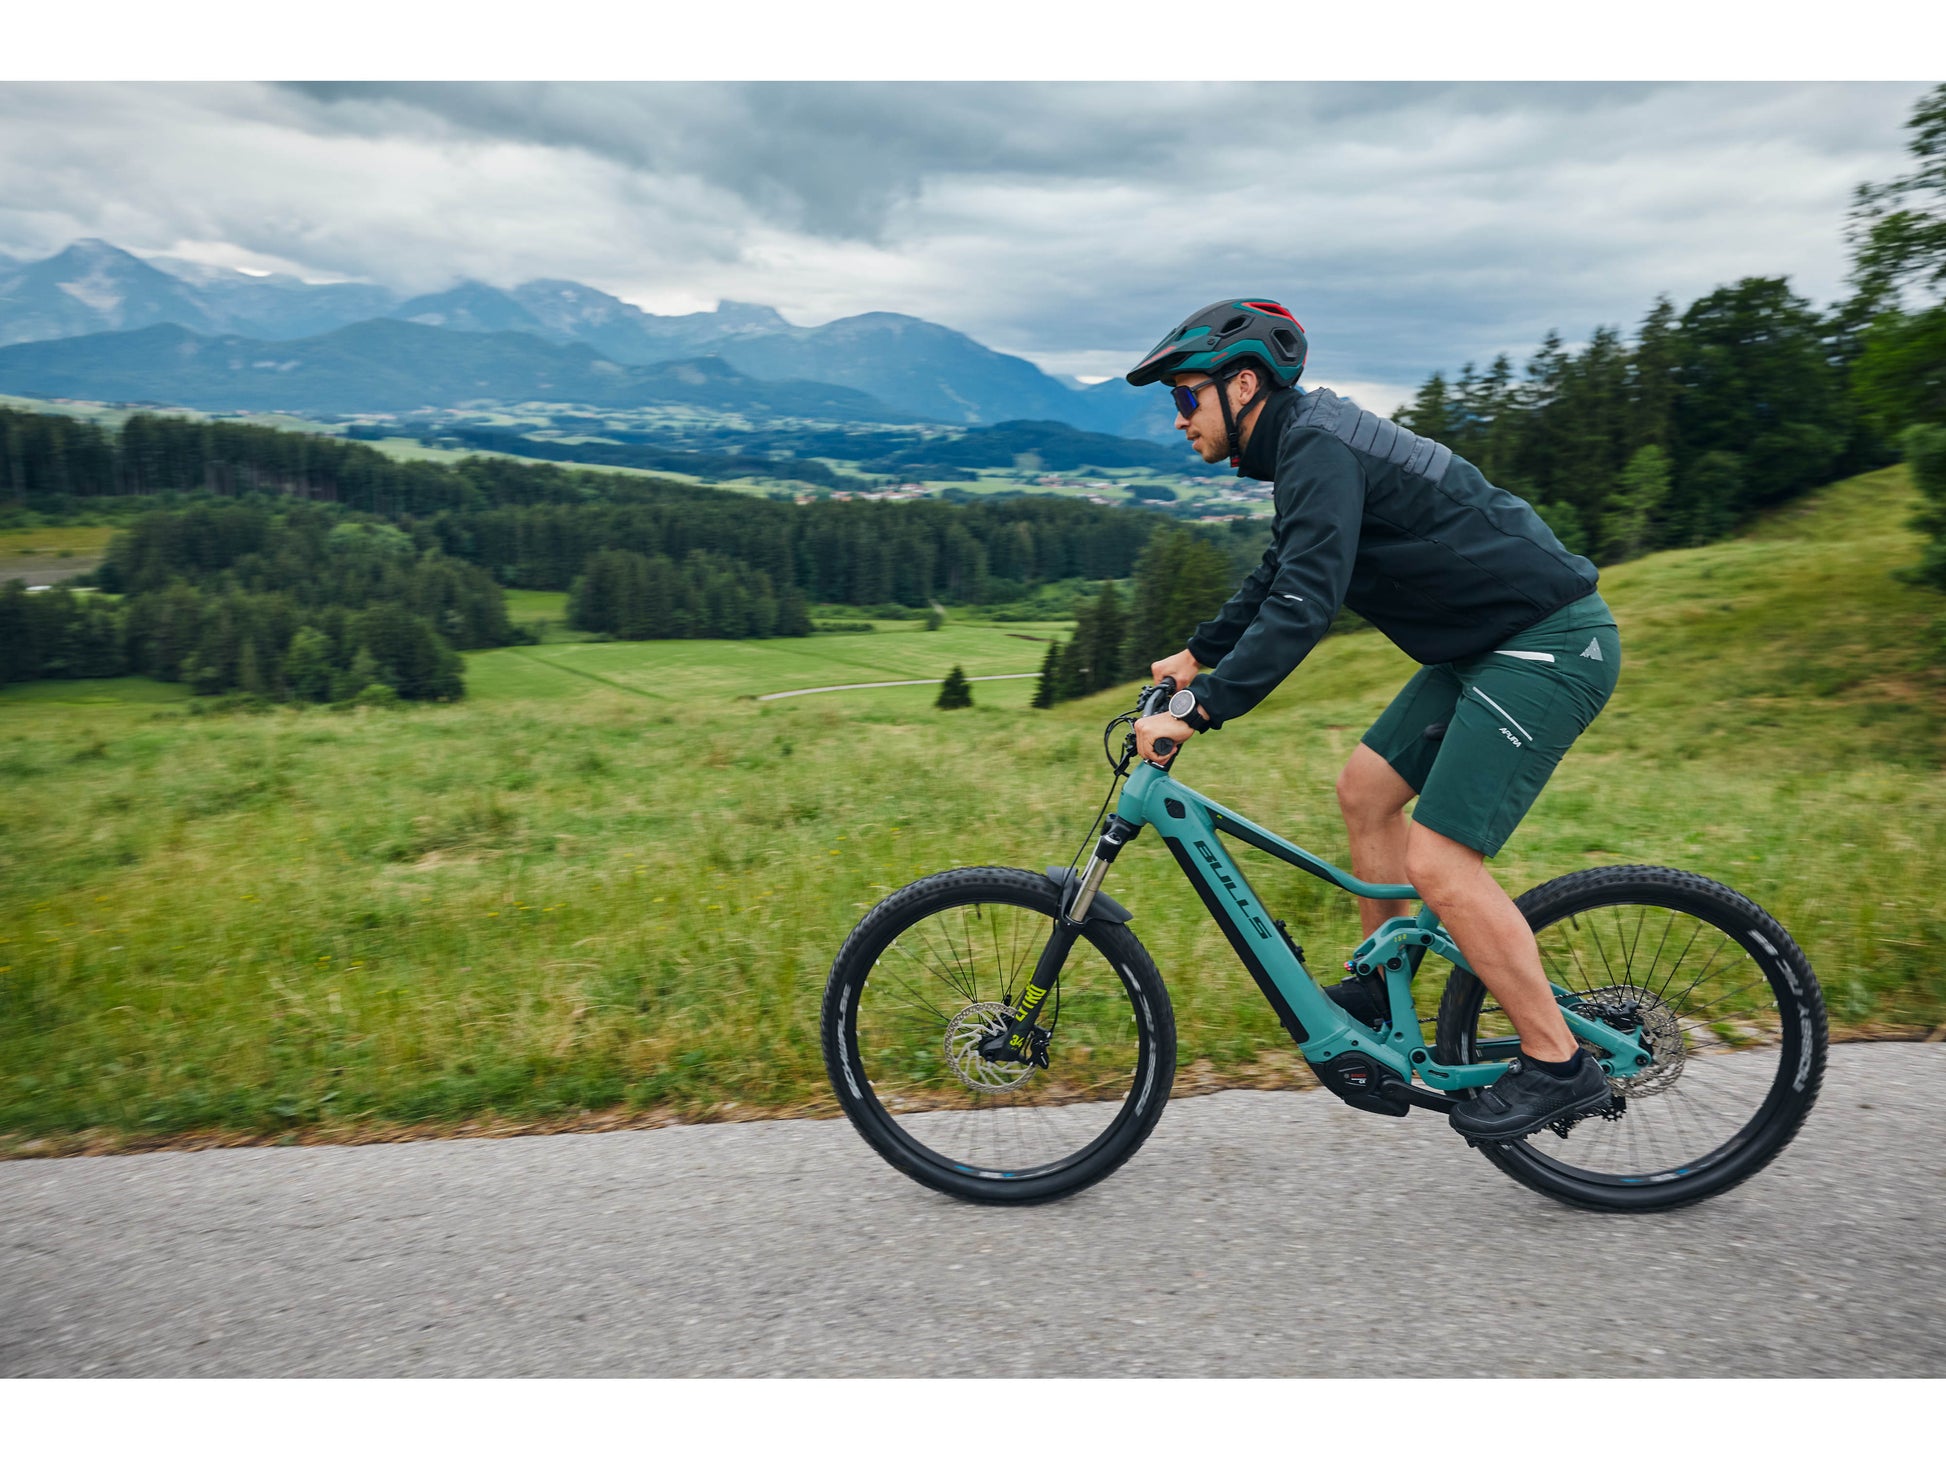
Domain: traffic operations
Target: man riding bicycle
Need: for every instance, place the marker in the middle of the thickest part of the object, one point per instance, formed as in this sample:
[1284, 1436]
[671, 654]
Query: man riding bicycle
[1518, 655]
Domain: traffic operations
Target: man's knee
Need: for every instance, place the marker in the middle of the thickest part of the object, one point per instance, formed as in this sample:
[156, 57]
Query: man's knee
[1439, 867]
[1369, 789]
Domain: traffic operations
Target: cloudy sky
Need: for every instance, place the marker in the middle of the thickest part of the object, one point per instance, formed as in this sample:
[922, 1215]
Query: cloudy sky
[1410, 226]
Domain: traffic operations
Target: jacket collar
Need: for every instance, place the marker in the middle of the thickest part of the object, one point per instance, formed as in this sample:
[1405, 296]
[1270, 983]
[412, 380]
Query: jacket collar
[1259, 458]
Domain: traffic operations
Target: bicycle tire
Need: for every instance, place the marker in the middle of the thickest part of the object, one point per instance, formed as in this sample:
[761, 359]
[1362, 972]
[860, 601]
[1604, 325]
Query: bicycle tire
[908, 1089]
[1775, 1050]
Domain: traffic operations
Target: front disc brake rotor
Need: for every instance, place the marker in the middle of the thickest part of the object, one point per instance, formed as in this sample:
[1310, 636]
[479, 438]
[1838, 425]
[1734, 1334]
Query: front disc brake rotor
[974, 1023]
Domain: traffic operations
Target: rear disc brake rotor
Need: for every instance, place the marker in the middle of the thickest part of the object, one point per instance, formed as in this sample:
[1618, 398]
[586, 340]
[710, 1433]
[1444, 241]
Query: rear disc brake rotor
[1661, 1034]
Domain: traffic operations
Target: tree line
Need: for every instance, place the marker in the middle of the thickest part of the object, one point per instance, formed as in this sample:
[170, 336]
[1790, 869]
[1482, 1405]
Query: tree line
[706, 596]
[534, 525]
[286, 601]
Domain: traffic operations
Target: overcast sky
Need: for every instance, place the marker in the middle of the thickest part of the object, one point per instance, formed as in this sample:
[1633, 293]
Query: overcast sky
[1409, 226]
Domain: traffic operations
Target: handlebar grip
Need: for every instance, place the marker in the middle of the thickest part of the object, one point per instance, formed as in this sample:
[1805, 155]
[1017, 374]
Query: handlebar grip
[1163, 746]
[1166, 683]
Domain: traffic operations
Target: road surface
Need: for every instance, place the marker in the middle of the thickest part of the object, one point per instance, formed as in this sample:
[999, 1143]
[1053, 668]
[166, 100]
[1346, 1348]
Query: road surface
[1257, 1233]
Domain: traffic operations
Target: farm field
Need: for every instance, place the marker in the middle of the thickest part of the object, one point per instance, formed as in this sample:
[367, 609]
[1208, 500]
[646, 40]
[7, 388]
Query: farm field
[46, 555]
[607, 886]
[719, 671]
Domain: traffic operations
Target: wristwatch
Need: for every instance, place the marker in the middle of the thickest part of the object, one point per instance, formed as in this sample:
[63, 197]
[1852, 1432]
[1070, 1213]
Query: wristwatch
[1182, 704]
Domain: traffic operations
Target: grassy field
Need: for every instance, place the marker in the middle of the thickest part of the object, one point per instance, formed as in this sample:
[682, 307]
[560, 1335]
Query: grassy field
[711, 673]
[610, 883]
[49, 554]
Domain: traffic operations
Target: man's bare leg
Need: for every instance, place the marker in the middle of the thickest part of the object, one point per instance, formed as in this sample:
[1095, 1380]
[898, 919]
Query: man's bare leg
[1482, 919]
[1372, 797]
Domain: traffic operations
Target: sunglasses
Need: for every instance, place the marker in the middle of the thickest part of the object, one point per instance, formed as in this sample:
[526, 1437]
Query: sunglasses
[1185, 396]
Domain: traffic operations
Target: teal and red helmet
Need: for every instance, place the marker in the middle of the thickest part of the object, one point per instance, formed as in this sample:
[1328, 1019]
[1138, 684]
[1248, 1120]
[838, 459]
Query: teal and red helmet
[1224, 338]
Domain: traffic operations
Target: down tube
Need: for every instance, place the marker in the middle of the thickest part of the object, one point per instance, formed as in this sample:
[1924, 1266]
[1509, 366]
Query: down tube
[1306, 1013]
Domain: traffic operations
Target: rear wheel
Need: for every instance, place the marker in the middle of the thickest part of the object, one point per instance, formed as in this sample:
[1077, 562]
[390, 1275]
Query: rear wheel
[1723, 997]
[936, 968]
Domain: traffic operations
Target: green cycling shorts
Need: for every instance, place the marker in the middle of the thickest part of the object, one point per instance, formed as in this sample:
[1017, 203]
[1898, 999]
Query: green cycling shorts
[1510, 715]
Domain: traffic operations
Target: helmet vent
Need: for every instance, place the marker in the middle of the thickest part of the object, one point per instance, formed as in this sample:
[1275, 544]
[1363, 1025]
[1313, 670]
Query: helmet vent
[1286, 343]
[1234, 323]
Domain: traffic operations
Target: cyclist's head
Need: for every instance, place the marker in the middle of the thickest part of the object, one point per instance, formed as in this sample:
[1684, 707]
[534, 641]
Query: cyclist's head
[1253, 344]
[1228, 334]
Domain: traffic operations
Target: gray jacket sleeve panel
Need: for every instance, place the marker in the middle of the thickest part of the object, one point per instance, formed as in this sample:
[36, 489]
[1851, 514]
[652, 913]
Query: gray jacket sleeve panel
[1214, 639]
[1320, 506]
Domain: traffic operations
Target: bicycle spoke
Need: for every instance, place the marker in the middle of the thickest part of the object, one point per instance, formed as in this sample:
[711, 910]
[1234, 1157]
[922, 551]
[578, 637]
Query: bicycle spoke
[1709, 1014]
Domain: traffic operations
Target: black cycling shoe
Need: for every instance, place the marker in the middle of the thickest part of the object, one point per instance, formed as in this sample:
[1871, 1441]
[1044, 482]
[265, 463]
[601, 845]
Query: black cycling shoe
[1362, 997]
[1524, 1100]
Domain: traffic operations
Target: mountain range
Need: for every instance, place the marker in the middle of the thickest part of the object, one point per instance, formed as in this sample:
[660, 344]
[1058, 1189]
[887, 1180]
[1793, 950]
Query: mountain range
[95, 321]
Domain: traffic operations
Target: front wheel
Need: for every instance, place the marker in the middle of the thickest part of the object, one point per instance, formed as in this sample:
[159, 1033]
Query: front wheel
[935, 968]
[1722, 996]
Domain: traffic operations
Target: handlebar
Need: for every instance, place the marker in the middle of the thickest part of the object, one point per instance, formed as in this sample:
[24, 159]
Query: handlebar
[1154, 700]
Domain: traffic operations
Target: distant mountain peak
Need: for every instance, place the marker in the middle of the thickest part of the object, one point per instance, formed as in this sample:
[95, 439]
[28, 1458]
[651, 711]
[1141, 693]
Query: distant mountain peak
[95, 248]
[743, 313]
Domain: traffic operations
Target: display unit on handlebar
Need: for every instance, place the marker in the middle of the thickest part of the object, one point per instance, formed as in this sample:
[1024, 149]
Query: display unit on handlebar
[1001, 1035]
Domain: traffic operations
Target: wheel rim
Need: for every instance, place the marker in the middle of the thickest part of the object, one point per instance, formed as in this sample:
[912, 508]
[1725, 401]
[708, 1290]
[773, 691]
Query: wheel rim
[1724, 1034]
[936, 986]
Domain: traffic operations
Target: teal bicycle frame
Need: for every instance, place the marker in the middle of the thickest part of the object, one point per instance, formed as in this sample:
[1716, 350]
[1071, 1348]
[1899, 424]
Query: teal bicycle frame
[1189, 824]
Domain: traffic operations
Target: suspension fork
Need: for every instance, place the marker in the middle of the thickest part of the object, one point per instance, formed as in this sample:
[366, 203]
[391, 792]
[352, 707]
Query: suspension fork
[1021, 1039]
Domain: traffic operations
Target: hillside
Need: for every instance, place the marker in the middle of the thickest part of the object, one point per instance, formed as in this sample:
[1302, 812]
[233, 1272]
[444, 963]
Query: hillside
[621, 889]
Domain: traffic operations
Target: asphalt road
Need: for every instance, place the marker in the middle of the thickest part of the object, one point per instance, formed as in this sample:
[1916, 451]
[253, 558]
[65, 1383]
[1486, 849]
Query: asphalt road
[1256, 1234]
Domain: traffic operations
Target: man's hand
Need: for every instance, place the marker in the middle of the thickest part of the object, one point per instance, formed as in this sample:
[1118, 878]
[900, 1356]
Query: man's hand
[1150, 726]
[1181, 667]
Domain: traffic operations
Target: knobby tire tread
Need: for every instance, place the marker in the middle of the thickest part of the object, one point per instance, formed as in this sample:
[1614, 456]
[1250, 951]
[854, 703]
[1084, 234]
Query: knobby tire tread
[1018, 887]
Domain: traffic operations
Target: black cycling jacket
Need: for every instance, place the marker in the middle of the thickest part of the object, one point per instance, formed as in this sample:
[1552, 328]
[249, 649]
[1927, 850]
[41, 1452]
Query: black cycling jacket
[1442, 562]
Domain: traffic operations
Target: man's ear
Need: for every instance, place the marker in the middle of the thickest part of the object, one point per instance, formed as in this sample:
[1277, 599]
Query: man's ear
[1248, 382]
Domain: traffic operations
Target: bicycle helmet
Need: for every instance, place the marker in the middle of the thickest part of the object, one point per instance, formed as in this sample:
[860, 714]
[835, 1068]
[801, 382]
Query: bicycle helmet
[1222, 340]
[1225, 337]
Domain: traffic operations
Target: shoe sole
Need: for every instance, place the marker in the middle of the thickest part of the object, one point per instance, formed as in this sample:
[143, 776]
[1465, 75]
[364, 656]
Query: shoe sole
[1586, 1107]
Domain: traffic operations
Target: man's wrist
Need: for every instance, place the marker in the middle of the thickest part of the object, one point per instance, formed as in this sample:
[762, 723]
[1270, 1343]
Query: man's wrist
[1199, 718]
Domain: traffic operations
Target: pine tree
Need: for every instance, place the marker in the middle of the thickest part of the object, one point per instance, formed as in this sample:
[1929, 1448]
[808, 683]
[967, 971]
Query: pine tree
[1181, 579]
[955, 693]
[1633, 503]
[307, 665]
[1108, 640]
[1049, 680]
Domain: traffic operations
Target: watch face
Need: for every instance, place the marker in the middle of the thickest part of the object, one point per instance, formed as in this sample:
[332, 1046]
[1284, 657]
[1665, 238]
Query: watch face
[1181, 703]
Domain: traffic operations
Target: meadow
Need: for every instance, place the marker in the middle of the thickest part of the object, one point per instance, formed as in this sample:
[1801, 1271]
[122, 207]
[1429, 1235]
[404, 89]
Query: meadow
[607, 886]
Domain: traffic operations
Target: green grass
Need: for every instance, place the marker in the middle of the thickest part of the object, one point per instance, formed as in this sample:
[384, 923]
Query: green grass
[131, 689]
[46, 554]
[623, 892]
[700, 673]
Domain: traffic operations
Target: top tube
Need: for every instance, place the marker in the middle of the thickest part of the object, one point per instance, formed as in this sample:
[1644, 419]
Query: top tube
[1147, 799]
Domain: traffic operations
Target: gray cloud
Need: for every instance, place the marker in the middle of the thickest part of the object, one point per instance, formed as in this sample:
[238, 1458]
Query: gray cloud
[1410, 226]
